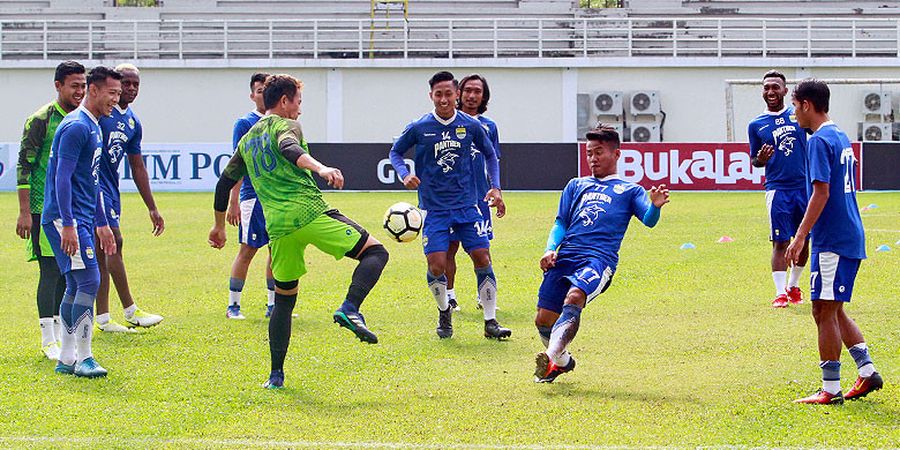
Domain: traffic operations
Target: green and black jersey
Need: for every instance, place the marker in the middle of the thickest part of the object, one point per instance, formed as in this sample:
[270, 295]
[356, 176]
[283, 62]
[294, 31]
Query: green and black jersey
[289, 195]
[34, 152]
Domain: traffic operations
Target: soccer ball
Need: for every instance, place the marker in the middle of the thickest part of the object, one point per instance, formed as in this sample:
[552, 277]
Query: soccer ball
[403, 222]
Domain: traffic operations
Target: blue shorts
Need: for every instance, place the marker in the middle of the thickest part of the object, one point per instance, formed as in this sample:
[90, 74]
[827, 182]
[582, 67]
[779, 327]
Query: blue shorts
[786, 210]
[591, 275]
[112, 207]
[486, 223]
[252, 230]
[84, 259]
[467, 226]
[831, 276]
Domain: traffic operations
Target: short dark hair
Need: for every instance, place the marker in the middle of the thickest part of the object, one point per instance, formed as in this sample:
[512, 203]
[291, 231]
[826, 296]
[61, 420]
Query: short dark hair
[278, 86]
[815, 92]
[486, 96]
[67, 68]
[775, 74]
[442, 76]
[100, 74]
[258, 77]
[603, 133]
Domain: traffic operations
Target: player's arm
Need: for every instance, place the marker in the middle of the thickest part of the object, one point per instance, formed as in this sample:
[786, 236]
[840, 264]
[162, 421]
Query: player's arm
[233, 214]
[233, 172]
[29, 151]
[406, 140]
[820, 174]
[71, 140]
[647, 206]
[494, 197]
[142, 179]
[294, 148]
[759, 152]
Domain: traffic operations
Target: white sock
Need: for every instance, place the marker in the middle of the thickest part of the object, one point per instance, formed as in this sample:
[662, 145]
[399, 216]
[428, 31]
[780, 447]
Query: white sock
[796, 272]
[57, 328]
[487, 293]
[780, 280]
[831, 386]
[102, 319]
[47, 335]
[563, 359]
[84, 331]
[129, 311]
[451, 294]
[67, 346]
[271, 298]
[234, 298]
[438, 287]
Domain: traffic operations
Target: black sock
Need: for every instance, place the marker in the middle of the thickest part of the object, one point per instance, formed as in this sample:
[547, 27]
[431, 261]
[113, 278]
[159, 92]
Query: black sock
[280, 328]
[367, 273]
[47, 298]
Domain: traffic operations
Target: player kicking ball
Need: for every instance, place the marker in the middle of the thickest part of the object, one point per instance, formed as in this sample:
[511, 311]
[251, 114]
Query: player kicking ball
[72, 213]
[275, 156]
[838, 246]
[443, 140]
[583, 247]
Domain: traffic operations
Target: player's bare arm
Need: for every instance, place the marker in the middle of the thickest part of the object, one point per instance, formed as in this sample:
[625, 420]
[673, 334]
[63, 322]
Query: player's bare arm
[762, 157]
[142, 181]
[659, 195]
[548, 260]
[411, 182]
[107, 240]
[494, 199]
[816, 204]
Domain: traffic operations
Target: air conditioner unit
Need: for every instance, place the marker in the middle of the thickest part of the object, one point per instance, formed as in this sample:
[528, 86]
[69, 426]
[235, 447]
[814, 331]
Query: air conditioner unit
[607, 103]
[876, 131]
[644, 131]
[643, 103]
[876, 102]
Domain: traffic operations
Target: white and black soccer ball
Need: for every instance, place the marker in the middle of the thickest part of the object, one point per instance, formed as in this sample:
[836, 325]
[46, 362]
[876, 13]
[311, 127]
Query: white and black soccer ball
[403, 222]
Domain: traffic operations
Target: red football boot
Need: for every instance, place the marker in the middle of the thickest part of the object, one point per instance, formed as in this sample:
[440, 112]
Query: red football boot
[795, 295]
[863, 386]
[780, 302]
[822, 397]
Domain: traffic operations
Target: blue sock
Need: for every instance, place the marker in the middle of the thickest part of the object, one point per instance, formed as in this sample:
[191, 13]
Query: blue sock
[831, 376]
[438, 287]
[348, 306]
[860, 354]
[564, 330]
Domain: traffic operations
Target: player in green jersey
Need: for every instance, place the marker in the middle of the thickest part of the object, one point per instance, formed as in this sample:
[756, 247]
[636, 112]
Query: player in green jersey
[31, 170]
[275, 156]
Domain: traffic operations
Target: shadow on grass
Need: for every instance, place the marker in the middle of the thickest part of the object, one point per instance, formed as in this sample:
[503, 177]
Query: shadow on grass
[557, 390]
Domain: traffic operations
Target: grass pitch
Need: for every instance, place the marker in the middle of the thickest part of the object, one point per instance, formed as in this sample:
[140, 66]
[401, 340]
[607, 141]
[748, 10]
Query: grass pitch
[682, 350]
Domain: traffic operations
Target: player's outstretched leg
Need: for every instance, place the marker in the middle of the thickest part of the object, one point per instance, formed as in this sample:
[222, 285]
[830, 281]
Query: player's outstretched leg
[550, 369]
[82, 320]
[487, 292]
[280, 330]
[372, 260]
[556, 360]
[869, 380]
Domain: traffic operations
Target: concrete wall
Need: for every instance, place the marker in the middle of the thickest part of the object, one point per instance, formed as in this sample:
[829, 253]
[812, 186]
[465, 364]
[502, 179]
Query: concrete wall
[373, 104]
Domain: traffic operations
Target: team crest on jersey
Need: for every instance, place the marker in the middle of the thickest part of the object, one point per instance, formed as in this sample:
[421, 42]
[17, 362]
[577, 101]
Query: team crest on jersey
[460, 132]
[793, 117]
[787, 145]
[89, 252]
[131, 123]
[590, 214]
[619, 188]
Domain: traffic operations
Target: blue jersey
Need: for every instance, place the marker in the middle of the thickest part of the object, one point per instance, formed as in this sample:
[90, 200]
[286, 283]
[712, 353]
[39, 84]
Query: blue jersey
[786, 169]
[78, 140]
[241, 127]
[122, 135]
[596, 213]
[482, 184]
[444, 159]
[831, 160]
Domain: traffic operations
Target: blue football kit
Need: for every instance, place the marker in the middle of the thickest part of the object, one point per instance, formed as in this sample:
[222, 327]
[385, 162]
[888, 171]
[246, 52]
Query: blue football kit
[71, 188]
[786, 195]
[482, 182]
[593, 215]
[252, 229]
[448, 193]
[122, 134]
[837, 238]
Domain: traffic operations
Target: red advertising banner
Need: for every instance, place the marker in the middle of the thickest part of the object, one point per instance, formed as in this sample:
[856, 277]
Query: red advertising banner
[691, 165]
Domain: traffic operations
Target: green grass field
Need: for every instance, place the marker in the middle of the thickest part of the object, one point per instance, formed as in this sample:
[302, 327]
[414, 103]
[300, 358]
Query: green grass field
[683, 349]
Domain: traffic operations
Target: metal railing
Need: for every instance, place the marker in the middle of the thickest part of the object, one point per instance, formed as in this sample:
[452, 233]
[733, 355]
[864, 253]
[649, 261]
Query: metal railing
[448, 38]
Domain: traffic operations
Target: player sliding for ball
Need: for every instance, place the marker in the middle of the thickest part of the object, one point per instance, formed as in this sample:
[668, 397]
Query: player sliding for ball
[443, 140]
[583, 247]
[275, 156]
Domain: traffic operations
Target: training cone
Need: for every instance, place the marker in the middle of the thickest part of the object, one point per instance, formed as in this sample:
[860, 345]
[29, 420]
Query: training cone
[688, 246]
[724, 239]
[883, 248]
[897, 243]
[871, 206]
